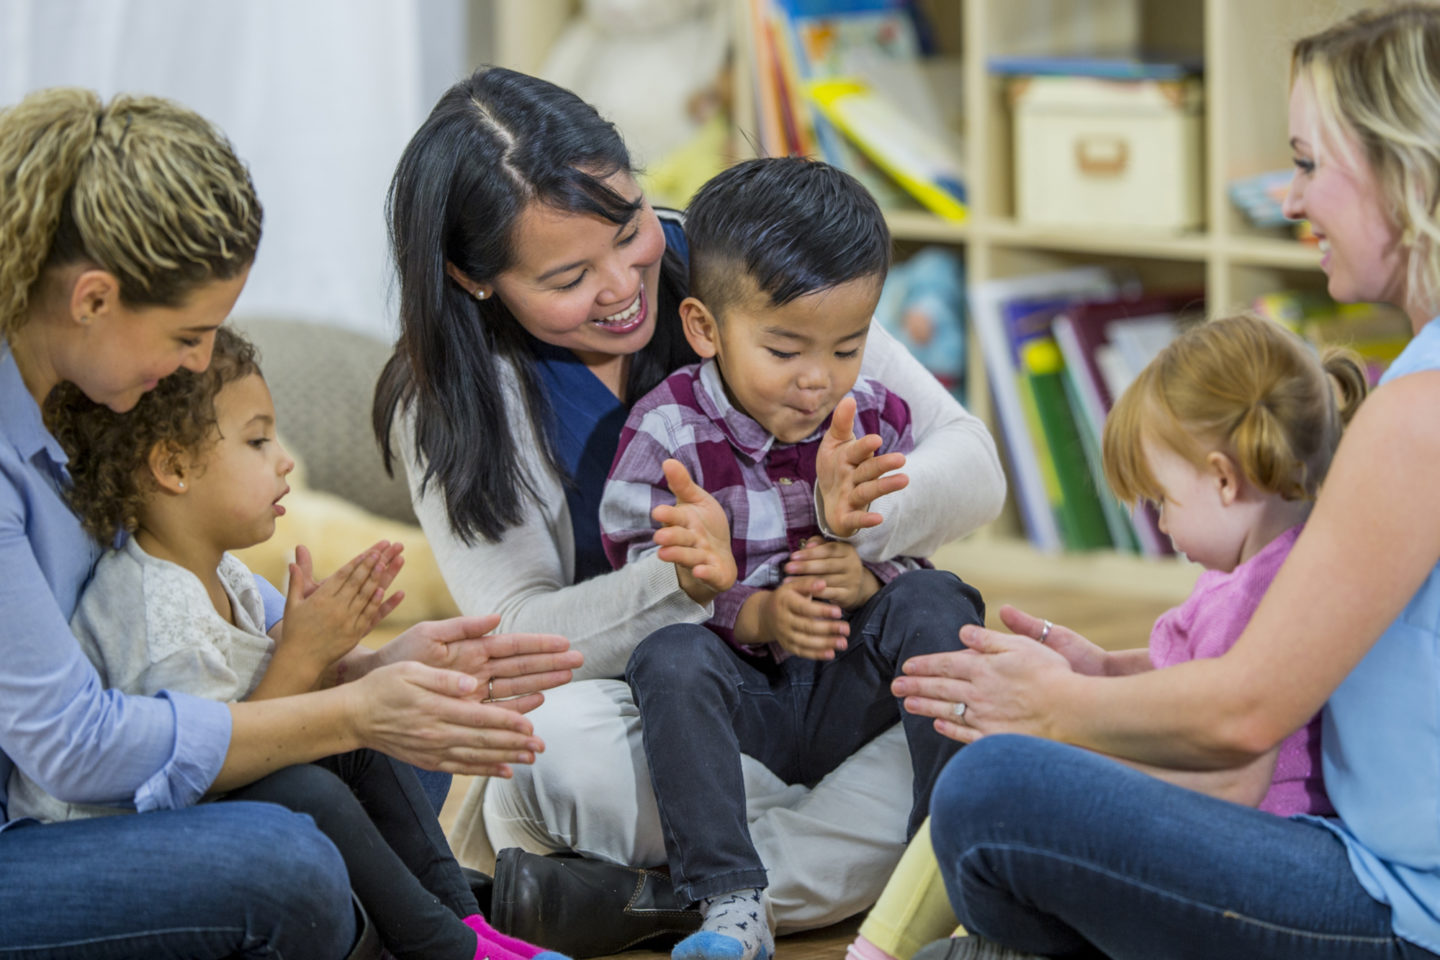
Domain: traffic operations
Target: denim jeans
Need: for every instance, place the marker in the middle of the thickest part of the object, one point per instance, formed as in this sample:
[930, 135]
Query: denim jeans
[436, 784]
[215, 881]
[1057, 851]
[702, 705]
[396, 856]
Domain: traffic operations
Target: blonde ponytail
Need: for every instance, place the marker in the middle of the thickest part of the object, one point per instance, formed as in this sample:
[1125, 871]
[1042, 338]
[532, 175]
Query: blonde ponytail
[141, 187]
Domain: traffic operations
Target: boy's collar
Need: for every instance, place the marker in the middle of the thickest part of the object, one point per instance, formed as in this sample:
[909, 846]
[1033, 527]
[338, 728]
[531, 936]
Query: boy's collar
[743, 431]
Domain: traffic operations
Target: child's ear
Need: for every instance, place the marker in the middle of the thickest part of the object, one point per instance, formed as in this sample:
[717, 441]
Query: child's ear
[1226, 475]
[169, 467]
[701, 327]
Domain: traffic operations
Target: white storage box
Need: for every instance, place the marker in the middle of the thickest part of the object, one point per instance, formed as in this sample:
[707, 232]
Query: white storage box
[1108, 153]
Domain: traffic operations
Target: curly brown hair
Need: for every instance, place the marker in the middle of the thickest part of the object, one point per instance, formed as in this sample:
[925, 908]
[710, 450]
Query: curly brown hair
[110, 452]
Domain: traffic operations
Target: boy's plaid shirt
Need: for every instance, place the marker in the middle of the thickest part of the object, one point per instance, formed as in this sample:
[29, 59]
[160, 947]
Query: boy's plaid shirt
[766, 488]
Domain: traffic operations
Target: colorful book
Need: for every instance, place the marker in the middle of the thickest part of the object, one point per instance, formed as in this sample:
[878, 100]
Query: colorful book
[989, 303]
[1092, 364]
[922, 164]
[1078, 512]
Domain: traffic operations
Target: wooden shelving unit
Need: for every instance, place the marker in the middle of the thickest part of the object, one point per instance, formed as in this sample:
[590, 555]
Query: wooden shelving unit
[1245, 46]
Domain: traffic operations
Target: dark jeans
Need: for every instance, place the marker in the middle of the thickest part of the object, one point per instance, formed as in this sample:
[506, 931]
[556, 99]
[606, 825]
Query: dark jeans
[374, 811]
[436, 785]
[1054, 850]
[702, 704]
[217, 881]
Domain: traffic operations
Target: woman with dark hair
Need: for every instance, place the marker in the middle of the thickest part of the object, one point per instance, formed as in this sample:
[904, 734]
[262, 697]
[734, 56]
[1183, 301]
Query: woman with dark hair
[539, 297]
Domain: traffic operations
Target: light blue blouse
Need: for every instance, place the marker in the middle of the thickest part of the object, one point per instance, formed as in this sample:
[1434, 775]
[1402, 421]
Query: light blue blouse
[1381, 743]
[80, 741]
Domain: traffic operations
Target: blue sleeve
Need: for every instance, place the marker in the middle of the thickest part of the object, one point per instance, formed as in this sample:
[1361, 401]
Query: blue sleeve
[77, 740]
[274, 601]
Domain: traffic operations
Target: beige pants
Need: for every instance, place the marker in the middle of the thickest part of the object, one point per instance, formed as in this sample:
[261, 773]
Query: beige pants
[828, 851]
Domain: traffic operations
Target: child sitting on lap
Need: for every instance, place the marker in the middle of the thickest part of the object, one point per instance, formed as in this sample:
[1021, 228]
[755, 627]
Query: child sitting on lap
[1229, 431]
[194, 471]
[787, 260]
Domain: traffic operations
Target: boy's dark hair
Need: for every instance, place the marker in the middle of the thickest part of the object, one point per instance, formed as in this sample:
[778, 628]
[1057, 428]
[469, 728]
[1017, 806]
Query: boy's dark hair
[109, 452]
[793, 226]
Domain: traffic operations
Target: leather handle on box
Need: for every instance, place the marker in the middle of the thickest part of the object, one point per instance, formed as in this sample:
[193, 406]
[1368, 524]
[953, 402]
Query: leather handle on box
[1102, 156]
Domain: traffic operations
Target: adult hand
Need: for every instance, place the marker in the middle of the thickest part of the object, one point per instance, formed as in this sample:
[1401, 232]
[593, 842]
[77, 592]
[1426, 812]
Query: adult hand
[1000, 678]
[847, 581]
[434, 719]
[848, 475]
[1083, 655]
[507, 665]
[801, 624]
[694, 535]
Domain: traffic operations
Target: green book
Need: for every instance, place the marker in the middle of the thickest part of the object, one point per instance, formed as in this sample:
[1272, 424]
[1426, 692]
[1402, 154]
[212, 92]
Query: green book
[1078, 510]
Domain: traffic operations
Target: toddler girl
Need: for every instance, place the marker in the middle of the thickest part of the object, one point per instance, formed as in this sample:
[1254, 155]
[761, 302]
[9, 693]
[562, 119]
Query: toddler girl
[1229, 432]
[194, 471]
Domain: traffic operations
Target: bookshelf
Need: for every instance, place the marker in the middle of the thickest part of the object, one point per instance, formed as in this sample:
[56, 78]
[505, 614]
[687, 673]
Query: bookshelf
[1245, 47]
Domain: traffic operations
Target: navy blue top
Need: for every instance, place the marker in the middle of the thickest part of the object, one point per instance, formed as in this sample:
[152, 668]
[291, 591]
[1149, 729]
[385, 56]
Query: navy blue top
[584, 429]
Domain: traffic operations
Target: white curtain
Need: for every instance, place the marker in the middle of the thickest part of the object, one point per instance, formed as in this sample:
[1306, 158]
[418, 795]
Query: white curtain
[318, 96]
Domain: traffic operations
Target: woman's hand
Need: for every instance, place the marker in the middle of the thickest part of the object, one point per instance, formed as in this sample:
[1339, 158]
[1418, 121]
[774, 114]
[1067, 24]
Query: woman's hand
[1083, 655]
[848, 475]
[1001, 679]
[507, 665]
[435, 719]
[847, 581]
[694, 535]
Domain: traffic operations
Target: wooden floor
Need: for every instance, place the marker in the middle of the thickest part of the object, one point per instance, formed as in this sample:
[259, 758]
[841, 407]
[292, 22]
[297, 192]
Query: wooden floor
[1113, 620]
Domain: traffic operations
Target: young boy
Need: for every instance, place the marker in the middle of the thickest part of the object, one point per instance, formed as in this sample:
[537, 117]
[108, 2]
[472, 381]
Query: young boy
[787, 258]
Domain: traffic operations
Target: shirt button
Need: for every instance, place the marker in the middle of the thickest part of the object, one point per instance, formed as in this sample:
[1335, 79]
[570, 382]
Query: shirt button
[785, 481]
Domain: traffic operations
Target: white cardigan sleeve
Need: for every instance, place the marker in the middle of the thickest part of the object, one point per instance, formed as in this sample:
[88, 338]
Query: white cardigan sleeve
[956, 483]
[527, 577]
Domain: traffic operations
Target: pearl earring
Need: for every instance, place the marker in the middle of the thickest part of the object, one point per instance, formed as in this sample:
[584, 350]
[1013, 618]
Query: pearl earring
[182, 484]
[480, 294]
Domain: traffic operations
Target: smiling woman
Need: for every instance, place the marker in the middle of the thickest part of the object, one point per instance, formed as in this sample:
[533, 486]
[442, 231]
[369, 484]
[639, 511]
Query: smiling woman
[1025, 827]
[539, 299]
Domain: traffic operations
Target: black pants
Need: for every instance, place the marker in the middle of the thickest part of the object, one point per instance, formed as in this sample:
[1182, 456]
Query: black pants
[374, 811]
[702, 704]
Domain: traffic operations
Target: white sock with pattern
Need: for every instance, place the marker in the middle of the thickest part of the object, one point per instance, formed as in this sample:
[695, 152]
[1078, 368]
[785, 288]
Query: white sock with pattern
[735, 928]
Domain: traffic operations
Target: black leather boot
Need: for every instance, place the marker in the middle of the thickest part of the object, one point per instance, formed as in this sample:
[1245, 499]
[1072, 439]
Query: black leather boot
[583, 907]
[367, 938]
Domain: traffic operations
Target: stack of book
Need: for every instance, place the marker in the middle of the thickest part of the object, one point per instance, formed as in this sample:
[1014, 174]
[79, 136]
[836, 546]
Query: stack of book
[830, 80]
[1058, 349]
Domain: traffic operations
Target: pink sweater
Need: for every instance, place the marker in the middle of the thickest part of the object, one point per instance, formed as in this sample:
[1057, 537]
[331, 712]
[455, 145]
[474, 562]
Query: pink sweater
[1206, 625]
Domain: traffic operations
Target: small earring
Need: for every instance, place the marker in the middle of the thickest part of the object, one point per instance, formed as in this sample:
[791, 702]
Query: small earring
[480, 294]
[181, 484]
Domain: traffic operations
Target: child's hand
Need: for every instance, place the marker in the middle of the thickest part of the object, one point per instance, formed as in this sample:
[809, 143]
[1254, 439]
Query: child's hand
[848, 475]
[792, 616]
[695, 536]
[847, 581]
[325, 620]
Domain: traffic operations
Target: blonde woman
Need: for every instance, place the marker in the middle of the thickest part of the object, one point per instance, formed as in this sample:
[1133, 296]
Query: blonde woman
[126, 233]
[1059, 851]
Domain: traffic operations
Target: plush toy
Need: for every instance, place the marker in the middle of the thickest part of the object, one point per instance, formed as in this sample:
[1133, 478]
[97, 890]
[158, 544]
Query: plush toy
[653, 68]
[923, 305]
